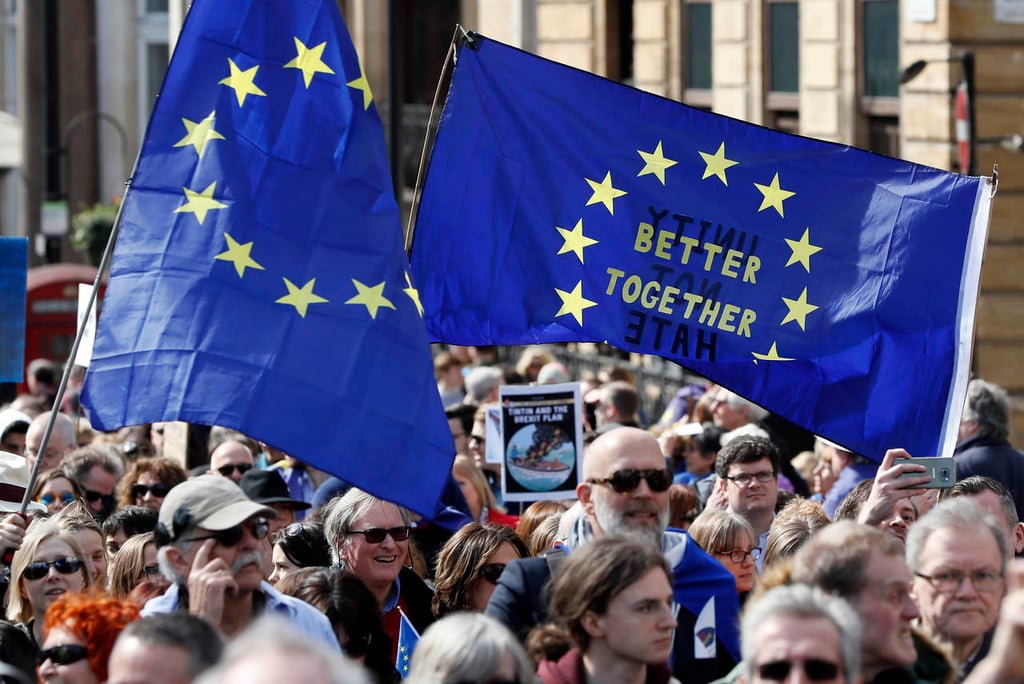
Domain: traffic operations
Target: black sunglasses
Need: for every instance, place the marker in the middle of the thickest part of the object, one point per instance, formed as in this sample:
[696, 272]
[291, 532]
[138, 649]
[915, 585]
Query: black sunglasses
[375, 535]
[817, 670]
[93, 497]
[242, 469]
[259, 527]
[63, 655]
[622, 481]
[39, 569]
[492, 571]
[159, 490]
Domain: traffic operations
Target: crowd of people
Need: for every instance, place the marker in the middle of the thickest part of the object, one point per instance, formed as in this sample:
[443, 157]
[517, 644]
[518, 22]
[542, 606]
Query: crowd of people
[713, 543]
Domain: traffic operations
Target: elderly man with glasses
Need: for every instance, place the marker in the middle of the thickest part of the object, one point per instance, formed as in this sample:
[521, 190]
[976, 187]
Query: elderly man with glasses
[209, 536]
[958, 554]
[625, 492]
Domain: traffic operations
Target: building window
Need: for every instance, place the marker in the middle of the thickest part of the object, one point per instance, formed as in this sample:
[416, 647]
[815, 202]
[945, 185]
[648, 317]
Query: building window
[697, 53]
[879, 41]
[782, 65]
[152, 32]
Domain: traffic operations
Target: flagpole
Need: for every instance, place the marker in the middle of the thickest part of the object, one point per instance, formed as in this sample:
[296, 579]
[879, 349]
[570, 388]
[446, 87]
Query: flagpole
[79, 333]
[429, 136]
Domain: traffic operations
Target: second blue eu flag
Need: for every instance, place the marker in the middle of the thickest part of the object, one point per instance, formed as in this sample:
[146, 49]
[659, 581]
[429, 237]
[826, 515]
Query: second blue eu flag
[833, 286]
[259, 281]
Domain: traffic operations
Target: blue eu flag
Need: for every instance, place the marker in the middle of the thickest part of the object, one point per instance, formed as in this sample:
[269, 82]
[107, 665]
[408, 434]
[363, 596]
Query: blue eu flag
[408, 637]
[833, 286]
[13, 290]
[259, 280]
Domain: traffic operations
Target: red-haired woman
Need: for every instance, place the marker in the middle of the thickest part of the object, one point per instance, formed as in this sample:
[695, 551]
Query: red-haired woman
[80, 634]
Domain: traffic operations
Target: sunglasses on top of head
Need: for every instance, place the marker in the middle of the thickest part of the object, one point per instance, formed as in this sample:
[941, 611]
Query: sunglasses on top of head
[258, 527]
[622, 481]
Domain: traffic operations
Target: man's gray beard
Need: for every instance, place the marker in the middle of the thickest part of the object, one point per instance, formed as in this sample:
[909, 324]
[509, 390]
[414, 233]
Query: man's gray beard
[613, 522]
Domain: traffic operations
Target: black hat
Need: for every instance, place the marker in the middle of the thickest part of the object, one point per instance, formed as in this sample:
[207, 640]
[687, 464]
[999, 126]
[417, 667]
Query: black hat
[268, 487]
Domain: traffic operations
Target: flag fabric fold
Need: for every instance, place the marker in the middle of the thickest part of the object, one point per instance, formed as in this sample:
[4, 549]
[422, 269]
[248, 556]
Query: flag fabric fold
[833, 286]
[259, 280]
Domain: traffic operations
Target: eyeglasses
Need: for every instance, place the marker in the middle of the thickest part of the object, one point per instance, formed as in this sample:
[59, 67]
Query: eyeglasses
[159, 490]
[66, 498]
[151, 570]
[817, 670]
[949, 581]
[258, 527]
[93, 497]
[744, 479]
[63, 655]
[623, 481]
[492, 571]
[242, 469]
[375, 535]
[40, 569]
[738, 556]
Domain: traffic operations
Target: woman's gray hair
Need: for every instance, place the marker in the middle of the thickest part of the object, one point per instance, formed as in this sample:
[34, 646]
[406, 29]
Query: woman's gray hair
[467, 647]
[802, 601]
[341, 514]
[960, 513]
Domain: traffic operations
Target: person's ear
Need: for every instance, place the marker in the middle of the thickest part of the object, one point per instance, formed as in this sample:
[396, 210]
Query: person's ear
[584, 493]
[593, 624]
[1018, 538]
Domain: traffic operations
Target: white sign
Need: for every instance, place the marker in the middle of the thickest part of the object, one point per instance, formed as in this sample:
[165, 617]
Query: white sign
[89, 336]
[921, 11]
[1009, 11]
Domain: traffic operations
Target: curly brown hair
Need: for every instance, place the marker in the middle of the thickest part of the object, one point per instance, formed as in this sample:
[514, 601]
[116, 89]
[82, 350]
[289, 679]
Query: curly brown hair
[166, 470]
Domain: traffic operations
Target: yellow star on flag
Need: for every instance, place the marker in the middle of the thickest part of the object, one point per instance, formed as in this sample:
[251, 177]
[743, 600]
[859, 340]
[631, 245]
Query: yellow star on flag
[239, 255]
[302, 297]
[362, 84]
[773, 195]
[803, 250]
[200, 202]
[574, 240]
[604, 192]
[655, 162]
[413, 294]
[242, 82]
[574, 302]
[716, 164]
[309, 61]
[199, 133]
[772, 355]
[798, 310]
[371, 297]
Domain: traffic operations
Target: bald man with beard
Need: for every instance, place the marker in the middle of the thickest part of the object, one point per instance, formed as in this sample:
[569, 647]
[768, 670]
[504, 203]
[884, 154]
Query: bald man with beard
[625, 492]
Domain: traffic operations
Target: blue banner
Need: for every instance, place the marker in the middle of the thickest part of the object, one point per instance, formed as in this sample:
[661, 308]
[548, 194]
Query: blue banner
[259, 280]
[833, 286]
[13, 274]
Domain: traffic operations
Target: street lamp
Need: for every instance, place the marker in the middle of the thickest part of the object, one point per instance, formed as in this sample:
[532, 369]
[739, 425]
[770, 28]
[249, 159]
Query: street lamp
[966, 132]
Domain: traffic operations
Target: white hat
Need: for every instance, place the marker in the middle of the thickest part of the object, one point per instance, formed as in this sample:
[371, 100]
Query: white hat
[14, 474]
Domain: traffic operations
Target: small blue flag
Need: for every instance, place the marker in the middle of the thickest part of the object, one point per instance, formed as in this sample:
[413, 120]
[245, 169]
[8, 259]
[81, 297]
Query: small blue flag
[408, 637]
[832, 286]
[13, 272]
[259, 280]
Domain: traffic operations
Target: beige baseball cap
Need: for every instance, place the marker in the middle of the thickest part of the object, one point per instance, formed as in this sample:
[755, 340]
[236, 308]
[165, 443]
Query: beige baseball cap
[211, 502]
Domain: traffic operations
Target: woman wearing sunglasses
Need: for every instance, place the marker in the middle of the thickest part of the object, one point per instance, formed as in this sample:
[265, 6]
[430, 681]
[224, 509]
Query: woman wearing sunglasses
[55, 490]
[369, 537]
[300, 545]
[80, 634]
[470, 564]
[49, 564]
[613, 601]
[134, 565]
[148, 481]
[730, 539]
